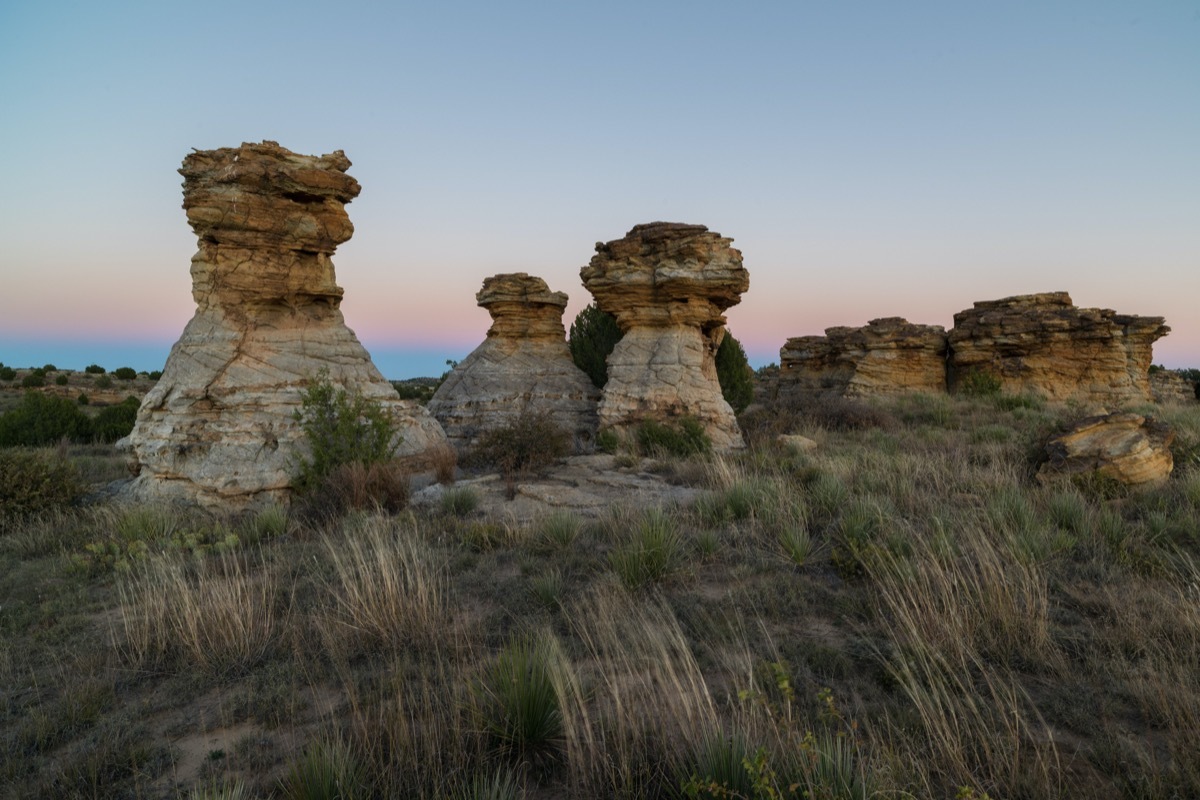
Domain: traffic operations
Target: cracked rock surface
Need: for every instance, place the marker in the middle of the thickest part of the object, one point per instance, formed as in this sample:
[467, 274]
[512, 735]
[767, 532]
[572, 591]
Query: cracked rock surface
[668, 285]
[523, 367]
[219, 427]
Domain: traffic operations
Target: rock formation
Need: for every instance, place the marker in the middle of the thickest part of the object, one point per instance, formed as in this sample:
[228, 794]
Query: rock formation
[1171, 387]
[887, 356]
[524, 366]
[1042, 343]
[1128, 448]
[219, 426]
[668, 285]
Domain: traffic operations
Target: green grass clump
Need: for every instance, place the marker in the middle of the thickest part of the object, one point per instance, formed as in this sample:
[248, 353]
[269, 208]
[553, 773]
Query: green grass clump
[650, 553]
[33, 481]
[520, 700]
[328, 770]
[681, 438]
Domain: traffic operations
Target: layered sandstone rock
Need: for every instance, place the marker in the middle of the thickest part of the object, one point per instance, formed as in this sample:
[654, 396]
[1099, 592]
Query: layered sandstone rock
[1168, 387]
[887, 356]
[219, 426]
[523, 367]
[1129, 448]
[668, 285]
[1042, 343]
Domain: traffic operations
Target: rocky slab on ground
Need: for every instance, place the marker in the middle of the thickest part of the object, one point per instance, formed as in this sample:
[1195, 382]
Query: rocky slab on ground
[523, 367]
[887, 356]
[668, 285]
[1129, 448]
[586, 485]
[218, 428]
[1042, 343]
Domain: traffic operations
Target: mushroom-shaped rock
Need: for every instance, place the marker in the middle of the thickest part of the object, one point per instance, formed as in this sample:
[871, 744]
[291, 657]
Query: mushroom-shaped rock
[887, 356]
[668, 285]
[1042, 343]
[523, 367]
[1129, 448]
[219, 428]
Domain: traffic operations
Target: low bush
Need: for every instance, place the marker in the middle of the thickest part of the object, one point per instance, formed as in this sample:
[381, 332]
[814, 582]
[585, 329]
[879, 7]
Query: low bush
[380, 486]
[61, 380]
[41, 420]
[36, 480]
[341, 428]
[115, 422]
[684, 437]
[94, 369]
[125, 373]
[7, 374]
[978, 383]
[33, 380]
[527, 445]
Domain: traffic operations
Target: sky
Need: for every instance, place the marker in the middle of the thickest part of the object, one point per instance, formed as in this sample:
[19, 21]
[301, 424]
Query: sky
[869, 159]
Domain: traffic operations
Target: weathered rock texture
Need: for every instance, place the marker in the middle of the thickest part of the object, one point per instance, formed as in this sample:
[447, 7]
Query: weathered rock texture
[1128, 448]
[887, 356]
[1171, 387]
[668, 285]
[523, 367]
[1042, 343]
[219, 426]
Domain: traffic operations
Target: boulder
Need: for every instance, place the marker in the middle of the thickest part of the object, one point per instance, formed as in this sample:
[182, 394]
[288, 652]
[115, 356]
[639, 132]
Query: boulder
[668, 285]
[796, 442]
[219, 427]
[887, 356]
[1043, 344]
[523, 367]
[1129, 448]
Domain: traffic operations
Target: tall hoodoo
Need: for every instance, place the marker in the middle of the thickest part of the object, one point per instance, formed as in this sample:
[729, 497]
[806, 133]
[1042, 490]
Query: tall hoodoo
[668, 285]
[1042, 343]
[523, 367]
[219, 426]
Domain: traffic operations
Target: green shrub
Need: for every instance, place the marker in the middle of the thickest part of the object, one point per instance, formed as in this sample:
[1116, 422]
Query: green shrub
[528, 444]
[115, 422]
[32, 481]
[608, 441]
[61, 380]
[520, 703]
[42, 419]
[734, 374]
[7, 374]
[594, 334]
[459, 501]
[94, 369]
[82, 399]
[33, 380]
[685, 437]
[49, 368]
[155, 375]
[653, 551]
[340, 428]
[978, 383]
[104, 382]
[125, 373]
[328, 770]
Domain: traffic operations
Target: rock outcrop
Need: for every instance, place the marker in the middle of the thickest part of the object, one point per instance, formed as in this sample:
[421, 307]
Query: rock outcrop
[219, 426]
[668, 285]
[1129, 448]
[887, 356]
[1042, 343]
[1167, 387]
[523, 367]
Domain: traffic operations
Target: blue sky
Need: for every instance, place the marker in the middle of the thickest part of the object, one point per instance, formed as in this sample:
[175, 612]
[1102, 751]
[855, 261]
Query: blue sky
[870, 159]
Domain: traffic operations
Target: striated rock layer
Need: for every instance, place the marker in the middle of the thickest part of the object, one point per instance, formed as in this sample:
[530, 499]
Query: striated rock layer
[1169, 387]
[887, 356]
[524, 366]
[1042, 343]
[1129, 448]
[668, 285]
[219, 426]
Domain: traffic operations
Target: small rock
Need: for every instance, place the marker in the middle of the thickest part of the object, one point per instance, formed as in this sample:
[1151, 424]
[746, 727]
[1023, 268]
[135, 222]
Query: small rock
[794, 441]
[1129, 448]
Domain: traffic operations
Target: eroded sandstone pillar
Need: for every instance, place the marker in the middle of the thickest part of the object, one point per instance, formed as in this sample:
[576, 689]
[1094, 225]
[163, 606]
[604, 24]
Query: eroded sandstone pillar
[523, 367]
[668, 285]
[219, 426]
